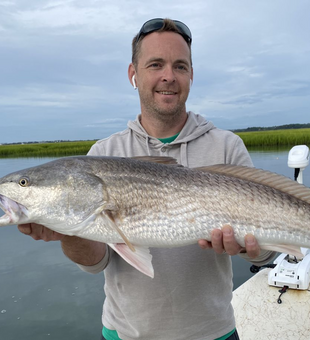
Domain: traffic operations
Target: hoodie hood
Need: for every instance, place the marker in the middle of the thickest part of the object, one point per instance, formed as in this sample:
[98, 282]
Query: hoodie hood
[199, 143]
[194, 127]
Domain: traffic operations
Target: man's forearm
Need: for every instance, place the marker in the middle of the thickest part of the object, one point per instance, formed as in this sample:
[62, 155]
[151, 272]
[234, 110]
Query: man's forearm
[81, 251]
[264, 257]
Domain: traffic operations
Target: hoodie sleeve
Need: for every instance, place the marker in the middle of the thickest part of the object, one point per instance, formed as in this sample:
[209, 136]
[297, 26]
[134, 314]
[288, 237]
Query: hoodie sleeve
[97, 149]
[238, 154]
[264, 257]
[99, 267]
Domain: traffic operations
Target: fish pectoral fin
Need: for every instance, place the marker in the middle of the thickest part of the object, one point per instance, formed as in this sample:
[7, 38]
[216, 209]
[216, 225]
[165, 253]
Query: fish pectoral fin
[284, 248]
[109, 214]
[141, 259]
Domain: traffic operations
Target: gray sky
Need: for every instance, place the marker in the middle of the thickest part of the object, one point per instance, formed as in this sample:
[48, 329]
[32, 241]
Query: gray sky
[63, 64]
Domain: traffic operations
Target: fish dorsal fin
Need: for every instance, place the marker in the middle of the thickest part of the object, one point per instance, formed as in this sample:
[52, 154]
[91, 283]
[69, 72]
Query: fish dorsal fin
[271, 179]
[157, 159]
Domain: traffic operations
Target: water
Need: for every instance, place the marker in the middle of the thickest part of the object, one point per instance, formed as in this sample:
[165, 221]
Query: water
[43, 295]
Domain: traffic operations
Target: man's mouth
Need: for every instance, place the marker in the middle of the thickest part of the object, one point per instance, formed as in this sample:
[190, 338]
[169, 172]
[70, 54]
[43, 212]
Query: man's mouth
[167, 92]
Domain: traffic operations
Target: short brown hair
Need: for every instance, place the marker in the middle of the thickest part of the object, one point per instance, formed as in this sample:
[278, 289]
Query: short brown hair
[168, 26]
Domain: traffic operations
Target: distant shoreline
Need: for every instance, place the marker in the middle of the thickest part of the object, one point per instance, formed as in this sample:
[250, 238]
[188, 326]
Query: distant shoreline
[47, 149]
[272, 128]
[257, 138]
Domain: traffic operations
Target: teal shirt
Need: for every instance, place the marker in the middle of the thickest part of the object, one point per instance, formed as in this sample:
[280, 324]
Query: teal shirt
[112, 335]
[168, 139]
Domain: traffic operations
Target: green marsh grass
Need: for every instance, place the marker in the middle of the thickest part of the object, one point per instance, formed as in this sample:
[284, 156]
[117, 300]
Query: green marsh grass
[288, 137]
[272, 138]
[56, 149]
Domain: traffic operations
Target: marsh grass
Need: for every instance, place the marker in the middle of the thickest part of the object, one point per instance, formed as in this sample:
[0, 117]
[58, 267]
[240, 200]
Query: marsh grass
[288, 137]
[57, 149]
[273, 138]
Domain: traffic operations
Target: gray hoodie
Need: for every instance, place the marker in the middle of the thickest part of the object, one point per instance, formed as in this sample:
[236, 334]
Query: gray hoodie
[199, 143]
[190, 295]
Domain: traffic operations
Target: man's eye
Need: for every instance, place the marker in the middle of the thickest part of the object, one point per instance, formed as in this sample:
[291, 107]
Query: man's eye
[155, 65]
[182, 68]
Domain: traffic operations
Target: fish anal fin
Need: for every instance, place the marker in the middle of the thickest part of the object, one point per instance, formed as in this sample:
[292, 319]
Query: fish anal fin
[141, 259]
[284, 248]
[113, 224]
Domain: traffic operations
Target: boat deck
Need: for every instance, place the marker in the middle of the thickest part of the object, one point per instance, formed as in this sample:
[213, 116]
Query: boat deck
[259, 316]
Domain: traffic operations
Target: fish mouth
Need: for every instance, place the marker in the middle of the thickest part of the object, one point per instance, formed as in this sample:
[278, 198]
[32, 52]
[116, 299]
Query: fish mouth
[15, 212]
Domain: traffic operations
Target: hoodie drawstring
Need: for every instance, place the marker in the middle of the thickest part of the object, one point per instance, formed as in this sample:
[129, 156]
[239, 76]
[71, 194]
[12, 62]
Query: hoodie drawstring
[148, 145]
[183, 154]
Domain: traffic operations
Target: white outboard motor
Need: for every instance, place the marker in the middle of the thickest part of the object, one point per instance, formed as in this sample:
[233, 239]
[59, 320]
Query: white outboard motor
[298, 158]
[289, 272]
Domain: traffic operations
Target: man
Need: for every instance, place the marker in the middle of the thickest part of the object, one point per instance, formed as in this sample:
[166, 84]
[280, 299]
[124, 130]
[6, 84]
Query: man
[190, 296]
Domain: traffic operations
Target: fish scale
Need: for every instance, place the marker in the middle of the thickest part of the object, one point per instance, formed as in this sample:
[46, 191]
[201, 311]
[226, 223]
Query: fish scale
[133, 204]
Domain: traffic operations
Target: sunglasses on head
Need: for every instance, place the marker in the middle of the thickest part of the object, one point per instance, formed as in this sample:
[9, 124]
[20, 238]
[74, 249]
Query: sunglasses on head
[156, 24]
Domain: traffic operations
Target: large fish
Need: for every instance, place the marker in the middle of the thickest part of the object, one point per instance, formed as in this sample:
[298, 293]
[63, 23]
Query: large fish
[135, 204]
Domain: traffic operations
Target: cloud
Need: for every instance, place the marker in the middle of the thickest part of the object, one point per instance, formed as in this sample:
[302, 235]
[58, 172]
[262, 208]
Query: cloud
[64, 64]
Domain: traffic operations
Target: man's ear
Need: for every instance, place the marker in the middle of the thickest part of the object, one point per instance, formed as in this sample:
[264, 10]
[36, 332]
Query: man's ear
[192, 77]
[132, 76]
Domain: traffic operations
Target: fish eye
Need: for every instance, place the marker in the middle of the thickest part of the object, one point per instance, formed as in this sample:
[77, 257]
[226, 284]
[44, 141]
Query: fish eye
[23, 182]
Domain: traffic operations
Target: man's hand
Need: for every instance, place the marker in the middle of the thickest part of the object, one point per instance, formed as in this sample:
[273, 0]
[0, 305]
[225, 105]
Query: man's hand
[78, 250]
[39, 232]
[224, 241]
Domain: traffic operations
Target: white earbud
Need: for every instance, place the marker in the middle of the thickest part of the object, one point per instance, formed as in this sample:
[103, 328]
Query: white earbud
[134, 82]
[191, 83]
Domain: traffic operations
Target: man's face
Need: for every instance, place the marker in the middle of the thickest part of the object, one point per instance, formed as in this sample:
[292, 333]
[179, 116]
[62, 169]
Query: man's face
[163, 75]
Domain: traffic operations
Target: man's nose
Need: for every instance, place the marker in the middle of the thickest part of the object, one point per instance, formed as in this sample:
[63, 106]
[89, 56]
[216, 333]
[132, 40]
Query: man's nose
[168, 75]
